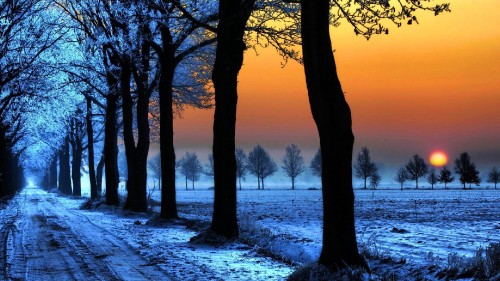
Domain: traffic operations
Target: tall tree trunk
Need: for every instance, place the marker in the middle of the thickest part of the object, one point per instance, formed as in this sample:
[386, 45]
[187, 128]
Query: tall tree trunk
[76, 165]
[233, 16]
[90, 150]
[99, 172]
[333, 120]
[53, 172]
[64, 169]
[167, 151]
[293, 183]
[111, 149]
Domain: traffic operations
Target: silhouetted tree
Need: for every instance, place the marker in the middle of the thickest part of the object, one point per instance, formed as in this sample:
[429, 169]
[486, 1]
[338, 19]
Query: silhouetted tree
[293, 163]
[316, 164]
[466, 170]
[416, 168]
[190, 167]
[209, 167]
[401, 176]
[432, 178]
[260, 164]
[364, 168]
[154, 165]
[494, 176]
[445, 176]
[64, 169]
[241, 167]
[375, 180]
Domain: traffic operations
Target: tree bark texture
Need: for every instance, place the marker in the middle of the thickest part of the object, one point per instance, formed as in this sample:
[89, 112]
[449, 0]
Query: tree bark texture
[76, 165]
[233, 16]
[333, 120]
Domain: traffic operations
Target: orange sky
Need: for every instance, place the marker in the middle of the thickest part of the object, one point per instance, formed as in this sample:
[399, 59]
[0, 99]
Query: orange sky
[435, 85]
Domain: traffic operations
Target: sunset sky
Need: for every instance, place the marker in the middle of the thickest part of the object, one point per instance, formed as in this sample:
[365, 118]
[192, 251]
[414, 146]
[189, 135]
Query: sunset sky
[435, 85]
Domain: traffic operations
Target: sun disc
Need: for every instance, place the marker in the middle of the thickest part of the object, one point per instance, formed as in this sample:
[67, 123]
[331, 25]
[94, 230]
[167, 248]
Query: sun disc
[438, 158]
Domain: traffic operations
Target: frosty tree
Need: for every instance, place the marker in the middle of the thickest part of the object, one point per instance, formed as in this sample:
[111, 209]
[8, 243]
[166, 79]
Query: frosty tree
[260, 164]
[445, 176]
[190, 167]
[241, 164]
[401, 176]
[416, 168]
[315, 165]
[364, 168]
[494, 176]
[432, 178]
[293, 163]
[466, 170]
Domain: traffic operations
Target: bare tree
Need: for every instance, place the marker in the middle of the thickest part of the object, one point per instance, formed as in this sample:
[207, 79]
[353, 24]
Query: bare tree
[154, 165]
[260, 164]
[375, 180]
[432, 178]
[467, 170]
[190, 167]
[416, 168]
[494, 176]
[293, 163]
[316, 164]
[445, 176]
[364, 168]
[209, 167]
[241, 167]
[401, 176]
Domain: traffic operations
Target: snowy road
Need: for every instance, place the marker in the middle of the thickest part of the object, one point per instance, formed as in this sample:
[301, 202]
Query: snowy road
[43, 240]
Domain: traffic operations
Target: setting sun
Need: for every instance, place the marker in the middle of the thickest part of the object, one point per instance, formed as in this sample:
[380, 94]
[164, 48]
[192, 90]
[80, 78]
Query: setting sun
[438, 158]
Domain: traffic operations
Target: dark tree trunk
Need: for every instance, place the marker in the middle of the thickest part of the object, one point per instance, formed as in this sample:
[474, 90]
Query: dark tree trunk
[53, 172]
[167, 151]
[111, 149]
[90, 139]
[134, 201]
[100, 168]
[293, 183]
[233, 16]
[64, 169]
[3, 160]
[333, 120]
[77, 151]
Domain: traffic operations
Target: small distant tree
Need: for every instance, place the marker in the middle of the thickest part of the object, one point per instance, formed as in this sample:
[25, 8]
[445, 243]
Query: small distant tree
[190, 167]
[375, 180]
[401, 176]
[260, 164]
[416, 168]
[209, 167]
[432, 178]
[154, 165]
[241, 168]
[466, 170]
[445, 176]
[494, 176]
[293, 163]
[364, 168]
[316, 164]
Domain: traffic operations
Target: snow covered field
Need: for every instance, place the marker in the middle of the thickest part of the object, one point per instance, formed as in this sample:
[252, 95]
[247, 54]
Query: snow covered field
[411, 224]
[47, 236]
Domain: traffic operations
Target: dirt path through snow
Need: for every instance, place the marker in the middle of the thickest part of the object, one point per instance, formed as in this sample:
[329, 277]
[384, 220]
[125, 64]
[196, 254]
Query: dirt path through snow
[43, 240]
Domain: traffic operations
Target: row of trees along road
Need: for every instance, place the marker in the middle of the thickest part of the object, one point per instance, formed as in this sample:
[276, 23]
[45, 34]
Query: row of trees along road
[465, 169]
[122, 67]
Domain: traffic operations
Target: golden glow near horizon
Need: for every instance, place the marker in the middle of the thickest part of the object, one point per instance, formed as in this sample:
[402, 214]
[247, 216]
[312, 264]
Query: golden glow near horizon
[426, 85]
[438, 158]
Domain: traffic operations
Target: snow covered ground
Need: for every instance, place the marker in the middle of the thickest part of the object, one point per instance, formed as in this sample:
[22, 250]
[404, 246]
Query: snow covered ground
[47, 237]
[414, 225]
